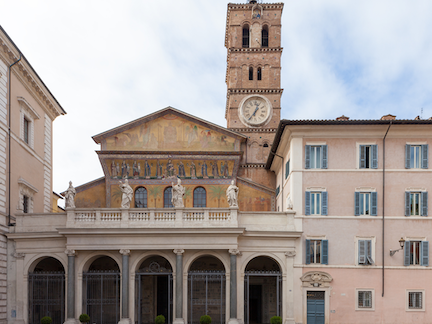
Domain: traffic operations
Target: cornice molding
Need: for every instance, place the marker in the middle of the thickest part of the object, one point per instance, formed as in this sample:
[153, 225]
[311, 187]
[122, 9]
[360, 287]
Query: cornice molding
[253, 165]
[254, 130]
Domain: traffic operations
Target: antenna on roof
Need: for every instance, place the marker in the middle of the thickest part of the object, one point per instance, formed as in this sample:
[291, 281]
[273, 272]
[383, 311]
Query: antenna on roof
[421, 114]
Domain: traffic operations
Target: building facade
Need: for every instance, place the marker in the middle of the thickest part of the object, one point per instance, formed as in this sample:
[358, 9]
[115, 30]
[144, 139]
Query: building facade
[27, 112]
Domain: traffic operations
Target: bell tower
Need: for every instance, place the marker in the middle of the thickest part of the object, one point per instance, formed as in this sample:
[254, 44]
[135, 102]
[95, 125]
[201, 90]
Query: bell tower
[253, 42]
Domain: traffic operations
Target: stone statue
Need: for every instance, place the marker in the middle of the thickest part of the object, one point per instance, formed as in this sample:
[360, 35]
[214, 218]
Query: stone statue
[289, 203]
[178, 192]
[127, 194]
[70, 196]
[232, 194]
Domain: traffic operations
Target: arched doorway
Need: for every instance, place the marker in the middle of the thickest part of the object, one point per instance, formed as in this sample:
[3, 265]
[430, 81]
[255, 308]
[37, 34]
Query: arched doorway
[206, 290]
[263, 290]
[154, 290]
[47, 291]
[101, 291]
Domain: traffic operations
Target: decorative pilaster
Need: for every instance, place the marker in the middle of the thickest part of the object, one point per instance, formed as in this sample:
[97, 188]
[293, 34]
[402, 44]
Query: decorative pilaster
[233, 286]
[70, 298]
[125, 287]
[288, 291]
[20, 276]
[179, 287]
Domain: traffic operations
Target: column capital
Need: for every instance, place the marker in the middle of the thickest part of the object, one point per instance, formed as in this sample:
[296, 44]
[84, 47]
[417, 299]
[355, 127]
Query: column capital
[235, 252]
[18, 255]
[70, 252]
[124, 252]
[290, 254]
[178, 251]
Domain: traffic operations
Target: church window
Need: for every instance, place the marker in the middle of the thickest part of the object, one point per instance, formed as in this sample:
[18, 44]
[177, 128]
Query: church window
[259, 74]
[246, 36]
[168, 198]
[199, 197]
[251, 73]
[141, 197]
[264, 37]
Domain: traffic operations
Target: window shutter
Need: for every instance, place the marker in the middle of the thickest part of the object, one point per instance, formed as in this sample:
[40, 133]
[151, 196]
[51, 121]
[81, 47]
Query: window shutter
[324, 199]
[356, 203]
[424, 155]
[374, 203]
[362, 156]
[424, 203]
[324, 157]
[307, 252]
[374, 149]
[307, 156]
[407, 156]
[307, 202]
[424, 253]
[407, 203]
[369, 251]
[324, 254]
[361, 251]
[286, 169]
[407, 253]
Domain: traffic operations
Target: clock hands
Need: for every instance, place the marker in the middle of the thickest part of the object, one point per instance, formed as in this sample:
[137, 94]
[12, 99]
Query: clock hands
[256, 109]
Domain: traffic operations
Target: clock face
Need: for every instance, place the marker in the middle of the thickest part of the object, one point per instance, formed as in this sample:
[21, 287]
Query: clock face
[255, 111]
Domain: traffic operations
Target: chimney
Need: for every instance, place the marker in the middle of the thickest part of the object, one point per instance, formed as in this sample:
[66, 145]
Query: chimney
[388, 117]
[342, 118]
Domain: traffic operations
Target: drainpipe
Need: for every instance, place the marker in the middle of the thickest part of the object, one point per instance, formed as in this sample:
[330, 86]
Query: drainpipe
[9, 139]
[282, 184]
[383, 206]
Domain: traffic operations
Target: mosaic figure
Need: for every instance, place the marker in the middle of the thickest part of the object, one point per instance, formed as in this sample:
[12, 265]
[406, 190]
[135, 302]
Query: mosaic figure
[170, 172]
[181, 170]
[215, 170]
[113, 169]
[147, 170]
[204, 170]
[193, 170]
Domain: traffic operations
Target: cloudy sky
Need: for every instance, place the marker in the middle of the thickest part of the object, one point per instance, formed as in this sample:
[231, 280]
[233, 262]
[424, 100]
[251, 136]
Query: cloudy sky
[109, 62]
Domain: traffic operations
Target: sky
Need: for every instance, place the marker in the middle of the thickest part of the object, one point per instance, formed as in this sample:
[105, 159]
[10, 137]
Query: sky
[110, 62]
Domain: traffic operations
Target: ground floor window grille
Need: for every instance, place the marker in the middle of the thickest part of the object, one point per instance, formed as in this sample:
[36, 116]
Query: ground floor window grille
[46, 296]
[365, 299]
[206, 290]
[415, 300]
[101, 296]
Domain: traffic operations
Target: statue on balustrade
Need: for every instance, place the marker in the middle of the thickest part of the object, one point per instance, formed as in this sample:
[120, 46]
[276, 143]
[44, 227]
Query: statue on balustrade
[178, 192]
[70, 196]
[127, 193]
[232, 194]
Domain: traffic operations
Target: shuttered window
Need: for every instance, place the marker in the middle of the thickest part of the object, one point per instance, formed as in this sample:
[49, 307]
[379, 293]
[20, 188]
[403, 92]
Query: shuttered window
[365, 203]
[316, 251]
[416, 203]
[316, 157]
[416, 253]
[287, 169]
[416, 156]
[368, 157]
[316, 203]
[365, 252]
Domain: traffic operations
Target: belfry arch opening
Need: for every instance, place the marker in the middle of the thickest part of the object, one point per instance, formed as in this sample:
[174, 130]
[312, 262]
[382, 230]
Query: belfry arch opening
[263, 290]
[101, 291]
[154, 290]
[206, 290]
[46, 289]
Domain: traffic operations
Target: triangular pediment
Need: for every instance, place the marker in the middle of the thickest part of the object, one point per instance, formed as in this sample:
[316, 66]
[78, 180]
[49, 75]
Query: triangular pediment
[169, 129]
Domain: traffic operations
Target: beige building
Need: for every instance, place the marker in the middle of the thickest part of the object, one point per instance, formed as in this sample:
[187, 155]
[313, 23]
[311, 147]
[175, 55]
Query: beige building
[27, 111]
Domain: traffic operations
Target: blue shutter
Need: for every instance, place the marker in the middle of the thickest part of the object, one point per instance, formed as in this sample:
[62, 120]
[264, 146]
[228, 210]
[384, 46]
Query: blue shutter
[362, 156]
[307, 252]
[407, 203]
[324, 252]
[307, 202]
[407, 253]
[324, 198]
[307, 156]
[374, 151]
[424, 155]
[361, 251]
[424, 253]
[407, 156]
[424, 203]
[369, 252]
[324, 157]
[374, 203]
[286, 169]
[356, 203]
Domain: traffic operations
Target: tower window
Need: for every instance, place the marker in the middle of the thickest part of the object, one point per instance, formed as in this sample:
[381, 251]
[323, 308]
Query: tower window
[246, 36]
[259, 74]
[264, 36]
[251, 73]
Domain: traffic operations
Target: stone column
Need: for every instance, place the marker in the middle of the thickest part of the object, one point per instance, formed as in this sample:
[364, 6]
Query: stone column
[179, 287]
[70, 297]
[125, 288]
[288, 291]
[233, 286]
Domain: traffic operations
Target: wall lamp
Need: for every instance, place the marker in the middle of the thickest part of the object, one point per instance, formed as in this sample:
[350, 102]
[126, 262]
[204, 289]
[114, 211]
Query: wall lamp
[401, 243]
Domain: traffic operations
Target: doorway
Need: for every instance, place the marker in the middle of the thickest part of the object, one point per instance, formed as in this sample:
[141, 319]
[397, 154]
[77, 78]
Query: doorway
[315, 307]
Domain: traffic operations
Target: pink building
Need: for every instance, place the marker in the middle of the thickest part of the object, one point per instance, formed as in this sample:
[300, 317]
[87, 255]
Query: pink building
[357, 187]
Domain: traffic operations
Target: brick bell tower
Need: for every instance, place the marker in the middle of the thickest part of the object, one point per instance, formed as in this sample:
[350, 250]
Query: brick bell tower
[253, 42]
